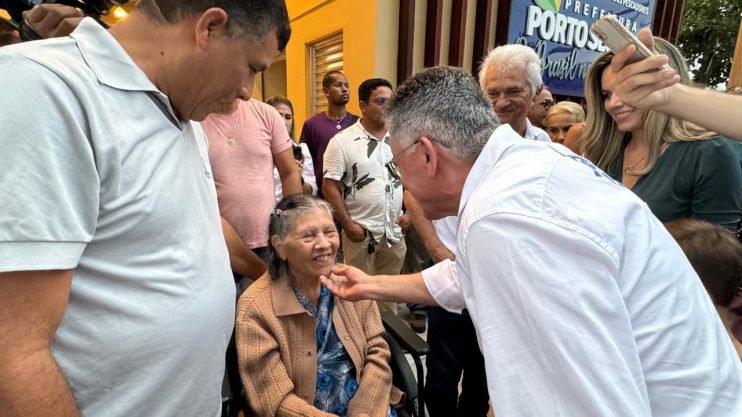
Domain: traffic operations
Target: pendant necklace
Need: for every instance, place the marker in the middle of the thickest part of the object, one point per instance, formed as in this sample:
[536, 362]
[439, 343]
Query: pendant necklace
[337, 122]
[230, 138]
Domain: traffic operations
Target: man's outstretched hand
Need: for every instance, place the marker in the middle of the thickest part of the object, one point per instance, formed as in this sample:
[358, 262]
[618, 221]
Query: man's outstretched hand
[642, 84]
[346, 282]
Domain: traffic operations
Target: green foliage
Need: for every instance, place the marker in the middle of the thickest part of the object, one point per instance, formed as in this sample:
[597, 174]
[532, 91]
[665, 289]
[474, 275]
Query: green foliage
[708, 34]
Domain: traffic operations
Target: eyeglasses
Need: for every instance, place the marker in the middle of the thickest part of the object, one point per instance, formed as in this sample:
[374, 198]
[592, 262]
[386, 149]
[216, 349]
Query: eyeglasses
[381, 101]
[547, 103]
[392, 165]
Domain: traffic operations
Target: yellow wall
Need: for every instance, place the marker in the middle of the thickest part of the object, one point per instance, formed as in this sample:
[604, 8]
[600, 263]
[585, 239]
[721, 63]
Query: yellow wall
[314, 19]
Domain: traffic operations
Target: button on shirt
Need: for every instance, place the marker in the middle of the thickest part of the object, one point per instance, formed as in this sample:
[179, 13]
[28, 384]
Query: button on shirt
[372, 196]
[582, 302]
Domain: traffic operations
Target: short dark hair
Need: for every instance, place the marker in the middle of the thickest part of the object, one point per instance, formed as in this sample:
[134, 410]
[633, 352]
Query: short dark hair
[251, 18]
[367, 87]
[327, 79]
[714, 253]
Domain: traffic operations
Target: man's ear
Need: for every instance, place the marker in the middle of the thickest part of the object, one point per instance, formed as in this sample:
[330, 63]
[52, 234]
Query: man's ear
[326, 92]
[278, 246]
[209, 25]
[430, 153]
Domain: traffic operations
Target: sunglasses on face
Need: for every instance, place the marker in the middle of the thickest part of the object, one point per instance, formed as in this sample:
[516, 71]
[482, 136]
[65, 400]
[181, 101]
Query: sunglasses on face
[547, 103]
[380, 101]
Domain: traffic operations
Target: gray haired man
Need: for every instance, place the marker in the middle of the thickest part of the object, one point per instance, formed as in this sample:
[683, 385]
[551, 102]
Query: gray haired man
[582, 302]
[511, 77]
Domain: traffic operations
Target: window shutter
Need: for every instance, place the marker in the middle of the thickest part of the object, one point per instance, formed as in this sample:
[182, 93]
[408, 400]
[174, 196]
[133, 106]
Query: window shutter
[325, 55]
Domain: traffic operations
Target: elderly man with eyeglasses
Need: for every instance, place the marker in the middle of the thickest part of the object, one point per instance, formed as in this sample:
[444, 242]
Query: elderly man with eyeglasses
[363, 186]
[537, 112]
[511, 78]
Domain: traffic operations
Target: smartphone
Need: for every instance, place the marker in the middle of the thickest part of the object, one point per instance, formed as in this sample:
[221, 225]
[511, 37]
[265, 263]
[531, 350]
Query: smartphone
[615, 36]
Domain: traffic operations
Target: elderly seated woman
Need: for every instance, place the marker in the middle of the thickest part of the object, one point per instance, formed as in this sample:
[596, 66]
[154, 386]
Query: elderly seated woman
[303, 352]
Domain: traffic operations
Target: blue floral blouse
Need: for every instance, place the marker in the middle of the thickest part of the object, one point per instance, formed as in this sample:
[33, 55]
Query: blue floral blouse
[336, 374]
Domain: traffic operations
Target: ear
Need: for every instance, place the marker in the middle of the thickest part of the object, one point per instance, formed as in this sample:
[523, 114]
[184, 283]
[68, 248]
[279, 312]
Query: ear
[431, 154]
[210, 25]
[278, 246]
[326, 91]
[363, 105]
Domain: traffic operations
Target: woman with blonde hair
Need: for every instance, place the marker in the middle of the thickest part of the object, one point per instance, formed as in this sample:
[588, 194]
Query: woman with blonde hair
[679, 169]
[561, 117]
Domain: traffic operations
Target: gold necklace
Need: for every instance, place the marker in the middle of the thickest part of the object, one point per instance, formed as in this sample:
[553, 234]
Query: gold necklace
[630, 170]
[230, 138]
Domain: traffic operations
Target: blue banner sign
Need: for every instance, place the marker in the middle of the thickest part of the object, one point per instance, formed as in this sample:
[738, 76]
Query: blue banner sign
[559, 32]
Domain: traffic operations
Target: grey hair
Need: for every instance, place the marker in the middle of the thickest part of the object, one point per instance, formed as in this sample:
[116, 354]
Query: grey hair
[247, 18]
[282, 223]
[506, 57]
[445, 104]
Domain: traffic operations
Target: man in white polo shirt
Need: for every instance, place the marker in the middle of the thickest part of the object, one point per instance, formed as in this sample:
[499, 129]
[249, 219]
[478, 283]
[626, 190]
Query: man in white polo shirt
[582, 302]
[116, 297]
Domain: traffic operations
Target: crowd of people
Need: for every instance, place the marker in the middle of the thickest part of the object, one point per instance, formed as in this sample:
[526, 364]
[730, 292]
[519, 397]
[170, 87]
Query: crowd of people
[163, 231]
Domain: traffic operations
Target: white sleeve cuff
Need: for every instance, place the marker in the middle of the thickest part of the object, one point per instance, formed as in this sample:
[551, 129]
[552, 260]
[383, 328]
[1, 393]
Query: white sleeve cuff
[443, 284]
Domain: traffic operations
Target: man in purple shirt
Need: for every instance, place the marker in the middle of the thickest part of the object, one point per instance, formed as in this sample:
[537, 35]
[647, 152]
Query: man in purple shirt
[320, 128]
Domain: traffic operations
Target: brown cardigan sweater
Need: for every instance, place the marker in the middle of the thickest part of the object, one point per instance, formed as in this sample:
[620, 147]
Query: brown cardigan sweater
[277, 351]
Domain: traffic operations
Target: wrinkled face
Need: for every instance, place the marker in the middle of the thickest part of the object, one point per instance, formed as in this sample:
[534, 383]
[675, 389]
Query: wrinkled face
[557, 126]
[509, 92]
[338, 92]
[410, 162]
[224, 72]
[311, 246]
[373, 108]
[286, 114]
[627, 118]
[540, 106]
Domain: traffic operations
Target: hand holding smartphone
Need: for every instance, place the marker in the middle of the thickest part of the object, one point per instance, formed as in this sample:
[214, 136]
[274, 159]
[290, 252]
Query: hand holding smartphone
[616, 37]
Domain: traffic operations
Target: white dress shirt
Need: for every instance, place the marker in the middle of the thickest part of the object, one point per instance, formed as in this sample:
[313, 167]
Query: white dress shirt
[582, 302]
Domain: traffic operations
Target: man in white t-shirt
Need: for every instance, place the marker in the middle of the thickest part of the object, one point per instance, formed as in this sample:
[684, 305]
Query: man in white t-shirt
[582, 302]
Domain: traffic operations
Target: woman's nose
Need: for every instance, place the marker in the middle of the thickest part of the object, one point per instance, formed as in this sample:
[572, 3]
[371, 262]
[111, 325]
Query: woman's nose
[614, 101]
[322, 240]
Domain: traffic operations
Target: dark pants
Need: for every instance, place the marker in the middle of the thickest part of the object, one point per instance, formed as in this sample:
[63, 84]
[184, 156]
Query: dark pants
[454, 351]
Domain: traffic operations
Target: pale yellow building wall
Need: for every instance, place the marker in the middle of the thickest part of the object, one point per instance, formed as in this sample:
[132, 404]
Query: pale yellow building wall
[387, 39]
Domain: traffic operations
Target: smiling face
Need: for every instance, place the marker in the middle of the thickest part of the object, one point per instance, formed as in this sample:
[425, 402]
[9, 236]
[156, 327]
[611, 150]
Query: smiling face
[310, 248]
[627, 118]
[510, 94]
